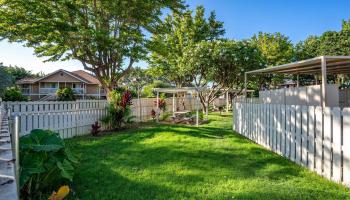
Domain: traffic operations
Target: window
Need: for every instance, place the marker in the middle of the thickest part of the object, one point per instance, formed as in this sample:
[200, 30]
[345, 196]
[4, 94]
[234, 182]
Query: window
[52, 85]
[77, 85]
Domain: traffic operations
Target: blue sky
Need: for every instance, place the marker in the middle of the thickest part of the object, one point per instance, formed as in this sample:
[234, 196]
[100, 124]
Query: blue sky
[242, 18]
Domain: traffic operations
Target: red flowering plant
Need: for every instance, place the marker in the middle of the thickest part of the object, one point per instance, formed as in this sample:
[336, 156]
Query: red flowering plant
[119, 111]
[161, 103]
[153, 114]
[162, 106]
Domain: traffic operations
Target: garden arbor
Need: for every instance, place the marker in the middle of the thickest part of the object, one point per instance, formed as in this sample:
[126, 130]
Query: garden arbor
[192, 91]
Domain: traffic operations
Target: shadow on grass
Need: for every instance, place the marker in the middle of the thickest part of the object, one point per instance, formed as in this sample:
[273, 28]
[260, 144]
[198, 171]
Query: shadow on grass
[179, 162]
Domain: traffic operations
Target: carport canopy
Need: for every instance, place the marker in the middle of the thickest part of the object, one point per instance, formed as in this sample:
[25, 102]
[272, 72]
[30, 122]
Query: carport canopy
[319, 65]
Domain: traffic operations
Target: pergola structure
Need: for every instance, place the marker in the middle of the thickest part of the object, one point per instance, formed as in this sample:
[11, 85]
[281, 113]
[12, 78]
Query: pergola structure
[322, 65]
[188, 90]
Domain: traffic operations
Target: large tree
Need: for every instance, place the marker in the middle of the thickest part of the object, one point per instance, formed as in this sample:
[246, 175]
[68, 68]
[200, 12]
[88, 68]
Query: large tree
[276, 49]
[220, 65]
[179, 31]
[330, 43]
[108, 37]
[5, 79]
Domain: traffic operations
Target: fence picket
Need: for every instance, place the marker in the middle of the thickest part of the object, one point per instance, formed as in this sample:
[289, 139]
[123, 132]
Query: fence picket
[283, 130]
[304, 134]
[298, 129]
[336, 132]
[327, 142]
[346, 146]
[292, 135]
[288, 130]
[314, 137]
[311, 138]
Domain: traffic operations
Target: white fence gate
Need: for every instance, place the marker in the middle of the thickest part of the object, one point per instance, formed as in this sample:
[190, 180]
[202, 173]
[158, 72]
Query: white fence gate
[310, 136]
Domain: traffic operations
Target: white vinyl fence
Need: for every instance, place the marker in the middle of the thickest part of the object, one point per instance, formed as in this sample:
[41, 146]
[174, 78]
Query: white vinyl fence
[310, 136]
[74, 118]
[68, 118]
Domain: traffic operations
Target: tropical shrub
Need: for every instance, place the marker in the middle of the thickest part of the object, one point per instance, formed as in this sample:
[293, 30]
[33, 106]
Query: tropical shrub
[153, 114]
[45, 164]
[13, 94]
[95, 129]
[118, 110]
[65, 94]
[165, 116]
[161, 103]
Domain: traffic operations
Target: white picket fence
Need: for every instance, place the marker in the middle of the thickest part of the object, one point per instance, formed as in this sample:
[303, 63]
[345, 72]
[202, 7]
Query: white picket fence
[314, 137]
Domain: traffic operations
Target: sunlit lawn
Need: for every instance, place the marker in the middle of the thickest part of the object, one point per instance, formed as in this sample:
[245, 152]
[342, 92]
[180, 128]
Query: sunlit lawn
[186, 162]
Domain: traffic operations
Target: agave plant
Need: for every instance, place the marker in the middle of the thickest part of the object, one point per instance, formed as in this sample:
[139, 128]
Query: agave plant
[45, 163]
[118, 110]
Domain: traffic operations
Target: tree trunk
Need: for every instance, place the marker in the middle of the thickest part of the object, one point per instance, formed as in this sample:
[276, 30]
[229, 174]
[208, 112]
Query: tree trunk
[108, 90]
[207, 109]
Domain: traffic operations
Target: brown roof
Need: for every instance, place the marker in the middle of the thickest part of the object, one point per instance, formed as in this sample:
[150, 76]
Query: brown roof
[26, 80]
[86, 76]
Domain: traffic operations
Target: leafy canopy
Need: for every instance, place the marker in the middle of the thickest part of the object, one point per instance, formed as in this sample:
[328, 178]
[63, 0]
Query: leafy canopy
[276, 48]
[331, 43]
[179, 31]
[108, 37]
[13, 94]
[220, 65]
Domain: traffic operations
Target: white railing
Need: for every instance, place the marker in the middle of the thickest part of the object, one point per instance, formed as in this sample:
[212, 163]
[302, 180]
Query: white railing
[314, 137]
[54, 90]
[48, 90]
[78, 90]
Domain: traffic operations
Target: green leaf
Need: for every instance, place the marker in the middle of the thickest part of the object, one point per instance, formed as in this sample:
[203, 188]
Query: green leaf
[67, 170]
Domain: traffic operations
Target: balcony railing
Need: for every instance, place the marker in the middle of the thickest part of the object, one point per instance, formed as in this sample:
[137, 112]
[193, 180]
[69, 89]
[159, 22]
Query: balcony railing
[78, 90]
[54, 90]
[48, 90]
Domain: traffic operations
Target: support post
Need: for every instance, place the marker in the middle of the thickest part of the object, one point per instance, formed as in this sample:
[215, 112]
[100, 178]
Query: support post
[324, 81]
[197, 109]
[139, 98]
[207, 106]
[173, 104]
[157, 112]
[298, 80]
[227, 101]
[315, 79]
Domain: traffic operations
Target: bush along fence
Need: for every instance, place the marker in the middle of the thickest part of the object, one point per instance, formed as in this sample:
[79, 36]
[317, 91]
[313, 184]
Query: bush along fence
[314, 137]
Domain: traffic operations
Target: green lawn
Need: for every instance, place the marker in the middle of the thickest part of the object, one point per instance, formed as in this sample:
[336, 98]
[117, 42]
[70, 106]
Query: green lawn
[185, 162]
